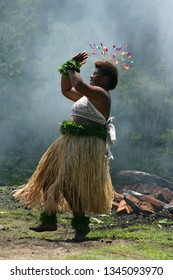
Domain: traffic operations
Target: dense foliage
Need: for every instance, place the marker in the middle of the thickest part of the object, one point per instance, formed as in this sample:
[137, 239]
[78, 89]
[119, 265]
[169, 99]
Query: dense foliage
[30, 109]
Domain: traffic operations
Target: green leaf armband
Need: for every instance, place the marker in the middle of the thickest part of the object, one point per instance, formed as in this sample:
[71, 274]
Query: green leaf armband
[69, 65]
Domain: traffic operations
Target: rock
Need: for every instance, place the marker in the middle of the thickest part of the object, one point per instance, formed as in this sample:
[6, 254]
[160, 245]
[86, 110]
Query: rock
[131, 177]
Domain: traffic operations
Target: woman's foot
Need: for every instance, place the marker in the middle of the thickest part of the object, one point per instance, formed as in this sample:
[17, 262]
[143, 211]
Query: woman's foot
[80, 235]
[44, 227]
[80, 224]
[48, 222]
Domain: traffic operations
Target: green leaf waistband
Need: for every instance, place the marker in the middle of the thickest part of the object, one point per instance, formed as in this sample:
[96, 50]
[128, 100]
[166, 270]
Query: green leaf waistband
[76, 129]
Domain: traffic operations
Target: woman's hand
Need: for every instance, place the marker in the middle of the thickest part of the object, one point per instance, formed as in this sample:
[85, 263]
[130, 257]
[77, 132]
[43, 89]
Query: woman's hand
[81, 57]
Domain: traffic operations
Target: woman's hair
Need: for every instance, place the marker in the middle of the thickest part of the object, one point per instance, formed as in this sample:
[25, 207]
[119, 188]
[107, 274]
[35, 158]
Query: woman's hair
[109, 70]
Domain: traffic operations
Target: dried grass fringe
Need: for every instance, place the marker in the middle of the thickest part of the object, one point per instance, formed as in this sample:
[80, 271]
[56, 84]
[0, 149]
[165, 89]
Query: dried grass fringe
[74, 167]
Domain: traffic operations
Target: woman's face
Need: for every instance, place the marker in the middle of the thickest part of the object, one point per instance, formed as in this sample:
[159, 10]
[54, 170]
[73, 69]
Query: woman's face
[97, 78]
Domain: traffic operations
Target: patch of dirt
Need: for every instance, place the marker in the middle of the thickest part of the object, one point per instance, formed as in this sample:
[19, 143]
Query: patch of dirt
[41, 249]
[31, 248]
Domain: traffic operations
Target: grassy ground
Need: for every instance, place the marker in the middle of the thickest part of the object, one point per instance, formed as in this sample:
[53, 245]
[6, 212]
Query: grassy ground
[111, 237]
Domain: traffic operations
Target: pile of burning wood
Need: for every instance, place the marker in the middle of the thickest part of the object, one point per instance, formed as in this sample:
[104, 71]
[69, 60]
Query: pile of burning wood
[143, 193]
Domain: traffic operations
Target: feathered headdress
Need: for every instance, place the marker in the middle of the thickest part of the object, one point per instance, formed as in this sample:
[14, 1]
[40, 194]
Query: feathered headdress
[118, 55]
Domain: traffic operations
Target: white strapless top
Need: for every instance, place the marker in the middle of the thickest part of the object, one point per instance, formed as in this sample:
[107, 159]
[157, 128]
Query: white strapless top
[85, 109]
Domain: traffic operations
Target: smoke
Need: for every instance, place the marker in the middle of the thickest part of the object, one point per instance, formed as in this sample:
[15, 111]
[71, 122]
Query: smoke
[135, 22]
[72, 25]
[111, 22]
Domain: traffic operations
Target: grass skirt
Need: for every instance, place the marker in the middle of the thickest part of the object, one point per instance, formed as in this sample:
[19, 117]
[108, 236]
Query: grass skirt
[73, 174]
